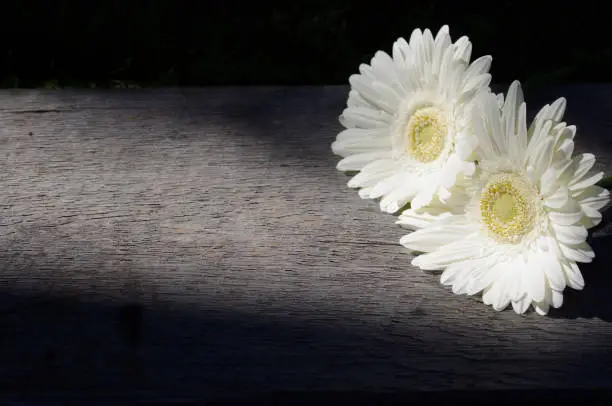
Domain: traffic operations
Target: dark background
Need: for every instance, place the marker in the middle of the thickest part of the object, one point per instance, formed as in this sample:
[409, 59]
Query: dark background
[194, 43]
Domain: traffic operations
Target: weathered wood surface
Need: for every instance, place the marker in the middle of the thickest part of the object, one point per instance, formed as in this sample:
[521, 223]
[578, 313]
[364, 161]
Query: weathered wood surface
[194, 242]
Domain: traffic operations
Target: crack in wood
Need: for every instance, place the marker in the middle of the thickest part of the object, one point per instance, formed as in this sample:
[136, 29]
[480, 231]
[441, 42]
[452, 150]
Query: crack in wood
[40, 111]
[358, 242]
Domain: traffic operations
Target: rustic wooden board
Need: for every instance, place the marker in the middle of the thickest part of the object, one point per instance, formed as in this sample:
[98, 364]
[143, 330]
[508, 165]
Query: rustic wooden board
[185, 242]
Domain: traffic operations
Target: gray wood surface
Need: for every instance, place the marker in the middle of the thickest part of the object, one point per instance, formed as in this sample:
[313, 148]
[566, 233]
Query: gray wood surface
[184, 242]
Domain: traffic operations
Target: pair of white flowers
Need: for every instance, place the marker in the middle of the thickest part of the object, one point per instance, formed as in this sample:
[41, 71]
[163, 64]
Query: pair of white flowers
[500, 207]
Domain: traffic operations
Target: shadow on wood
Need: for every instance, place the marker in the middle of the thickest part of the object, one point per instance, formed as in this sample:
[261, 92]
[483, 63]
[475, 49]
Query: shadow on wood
[148, 339]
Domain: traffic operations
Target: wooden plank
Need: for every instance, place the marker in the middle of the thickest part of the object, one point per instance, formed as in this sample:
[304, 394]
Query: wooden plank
[183, 242]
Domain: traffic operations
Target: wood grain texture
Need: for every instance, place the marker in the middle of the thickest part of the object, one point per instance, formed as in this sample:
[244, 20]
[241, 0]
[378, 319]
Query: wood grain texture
[196, 242]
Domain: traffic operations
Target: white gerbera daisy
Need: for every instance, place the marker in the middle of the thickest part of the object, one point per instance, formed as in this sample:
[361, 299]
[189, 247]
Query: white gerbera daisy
[418, 217]
[524, 228]
[406, 119]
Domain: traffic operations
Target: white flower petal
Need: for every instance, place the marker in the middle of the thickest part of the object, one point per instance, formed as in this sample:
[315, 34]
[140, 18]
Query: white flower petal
[553, 271]
[481, 277]
[594, 197]
[427, 45]
[384, 70]
[465, 146]
[482, 117]
[518, 268]
[478, 68]
[442, 43]
[398, 197]
[511, 279]
[355, 100]
[500, 100]
[548, 182]
[557, 109]
[443, 232]
[570, 234]
[579, 252]
[541, 308]
[521, 300]
[358, 161]
[372, 173]
[418, 219]
[553, 112]
[456, 251]
[590, 181]
[361, 145]
[565, 150]
[503, 300]
[558, 200]
[547, 243]
[452, 168]
[517, 143]
[584, 164]
[447, 72]
[521, 306]
[573, 275]
[463, 49]
[557, 299]
[455, 272]
[514, 99]
[401, 51]
[387, 185]
[444, 194]
[565, 219]
[535, 277]
[474, 85]
[541, 159]
[362, 117]
[365, 87]
[353, 134]
[490, 294]
[593, 218]
[470, 276]
[391, 98]
[425, 195]
[592, 200]
[461, 279]
[497, 295]
[364, 192]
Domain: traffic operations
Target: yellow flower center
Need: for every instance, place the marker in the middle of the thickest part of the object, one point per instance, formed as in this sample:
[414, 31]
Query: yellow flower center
[508, 207]
[426, 132]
